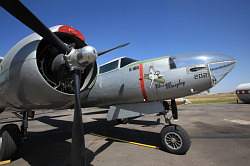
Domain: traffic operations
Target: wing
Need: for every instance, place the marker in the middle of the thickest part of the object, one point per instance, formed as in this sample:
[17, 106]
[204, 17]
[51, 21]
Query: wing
[123, 111]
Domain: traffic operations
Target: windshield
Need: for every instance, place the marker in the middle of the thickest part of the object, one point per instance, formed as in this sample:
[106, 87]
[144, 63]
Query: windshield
[126, 61]
[108, 67]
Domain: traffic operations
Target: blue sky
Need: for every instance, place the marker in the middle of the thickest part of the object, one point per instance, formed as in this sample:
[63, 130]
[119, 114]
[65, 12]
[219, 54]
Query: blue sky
[154, 28]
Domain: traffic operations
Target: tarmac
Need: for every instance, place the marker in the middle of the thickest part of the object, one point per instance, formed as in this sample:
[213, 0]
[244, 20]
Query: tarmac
[220, 135]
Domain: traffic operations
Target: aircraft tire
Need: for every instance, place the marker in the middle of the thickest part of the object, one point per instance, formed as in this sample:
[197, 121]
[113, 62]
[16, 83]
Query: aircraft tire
[175, 139]
[9, 141]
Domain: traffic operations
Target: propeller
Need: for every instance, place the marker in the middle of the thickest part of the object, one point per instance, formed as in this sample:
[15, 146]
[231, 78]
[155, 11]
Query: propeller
[78, 140]
[20, 12]
[76, 60]
[106, 51]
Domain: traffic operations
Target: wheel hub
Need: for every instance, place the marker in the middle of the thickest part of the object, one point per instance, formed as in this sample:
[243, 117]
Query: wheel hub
[173, 140]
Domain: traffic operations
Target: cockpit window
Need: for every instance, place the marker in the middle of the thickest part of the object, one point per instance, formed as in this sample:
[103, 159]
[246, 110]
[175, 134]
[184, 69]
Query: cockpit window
[172, 64]
[126, 61]
[108, 67]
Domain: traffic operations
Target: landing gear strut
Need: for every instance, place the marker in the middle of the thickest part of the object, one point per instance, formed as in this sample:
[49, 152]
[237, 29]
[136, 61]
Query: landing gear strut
[24, 126]
[174, 138]
[11, 137]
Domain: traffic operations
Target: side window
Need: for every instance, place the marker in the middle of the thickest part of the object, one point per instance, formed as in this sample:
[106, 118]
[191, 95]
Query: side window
[194, 69]
[126, 61]
[172, 64]
[108, 67]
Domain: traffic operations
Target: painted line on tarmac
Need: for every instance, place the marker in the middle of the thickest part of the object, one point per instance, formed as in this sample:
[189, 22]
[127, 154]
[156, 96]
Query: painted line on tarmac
[238, 121]
[5, 162]
[129, 142]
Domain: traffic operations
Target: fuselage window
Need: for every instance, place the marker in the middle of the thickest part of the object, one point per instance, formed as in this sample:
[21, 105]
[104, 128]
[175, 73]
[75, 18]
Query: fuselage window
[108, 67]
[194, 69]
[172, 64]
[126, 61]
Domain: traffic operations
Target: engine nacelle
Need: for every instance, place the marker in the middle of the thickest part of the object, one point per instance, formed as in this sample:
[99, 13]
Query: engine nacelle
[28, 80]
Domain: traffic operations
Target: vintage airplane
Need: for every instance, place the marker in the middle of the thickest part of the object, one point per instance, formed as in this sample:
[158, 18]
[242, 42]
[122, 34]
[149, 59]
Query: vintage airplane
[56, 69]
[243, 92]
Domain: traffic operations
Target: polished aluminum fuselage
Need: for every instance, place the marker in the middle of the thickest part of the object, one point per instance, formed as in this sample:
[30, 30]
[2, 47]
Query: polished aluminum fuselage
[124, 85]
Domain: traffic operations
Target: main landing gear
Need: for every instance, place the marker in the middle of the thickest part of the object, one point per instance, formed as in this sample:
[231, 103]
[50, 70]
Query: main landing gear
[174, 138]
[11, 136]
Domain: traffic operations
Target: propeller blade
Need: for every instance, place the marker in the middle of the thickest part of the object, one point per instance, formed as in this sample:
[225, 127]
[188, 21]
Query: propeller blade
[78, 141]
[106, 51]
[20, 12]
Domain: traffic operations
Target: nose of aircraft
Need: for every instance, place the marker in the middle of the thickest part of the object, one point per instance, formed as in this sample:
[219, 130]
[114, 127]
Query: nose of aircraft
[220, 67]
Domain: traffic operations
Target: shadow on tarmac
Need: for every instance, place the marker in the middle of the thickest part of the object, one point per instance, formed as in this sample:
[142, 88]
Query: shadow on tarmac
[51, 147]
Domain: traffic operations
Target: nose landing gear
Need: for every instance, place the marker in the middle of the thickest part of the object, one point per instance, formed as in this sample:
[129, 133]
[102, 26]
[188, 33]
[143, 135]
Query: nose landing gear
[174, 138]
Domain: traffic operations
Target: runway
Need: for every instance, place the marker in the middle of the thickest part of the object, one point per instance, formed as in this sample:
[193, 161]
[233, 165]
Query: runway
[220, 135]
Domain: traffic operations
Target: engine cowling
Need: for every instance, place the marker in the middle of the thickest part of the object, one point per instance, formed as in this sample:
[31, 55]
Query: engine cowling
[32, 82]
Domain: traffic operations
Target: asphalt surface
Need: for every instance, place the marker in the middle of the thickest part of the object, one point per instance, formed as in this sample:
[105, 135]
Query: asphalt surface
[220, 135]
